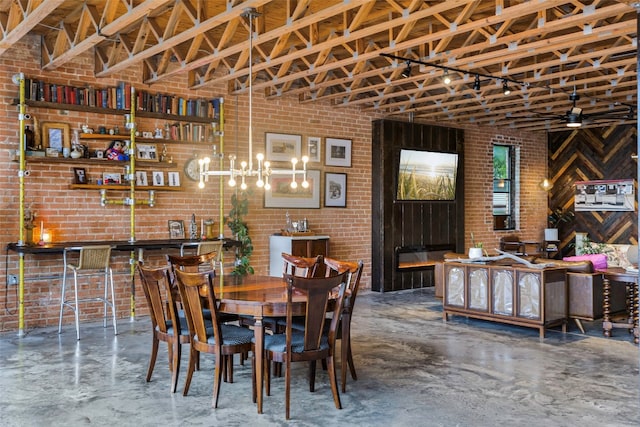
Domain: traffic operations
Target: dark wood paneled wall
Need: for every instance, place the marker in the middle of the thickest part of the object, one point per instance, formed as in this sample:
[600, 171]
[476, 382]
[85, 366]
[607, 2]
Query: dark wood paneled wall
[401, 224]
[593, 154]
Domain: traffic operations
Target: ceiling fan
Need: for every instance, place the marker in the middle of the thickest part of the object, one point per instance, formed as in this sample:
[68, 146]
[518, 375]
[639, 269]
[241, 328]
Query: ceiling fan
[575, 116]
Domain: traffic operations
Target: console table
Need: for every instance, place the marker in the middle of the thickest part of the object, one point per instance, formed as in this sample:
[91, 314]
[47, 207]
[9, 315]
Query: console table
[513, 294]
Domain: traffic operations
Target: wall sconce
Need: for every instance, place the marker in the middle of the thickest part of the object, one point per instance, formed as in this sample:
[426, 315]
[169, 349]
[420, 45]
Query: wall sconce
[546, 184]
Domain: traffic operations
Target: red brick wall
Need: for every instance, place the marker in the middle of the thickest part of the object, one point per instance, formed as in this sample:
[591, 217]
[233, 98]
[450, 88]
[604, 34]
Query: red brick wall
[77, 214]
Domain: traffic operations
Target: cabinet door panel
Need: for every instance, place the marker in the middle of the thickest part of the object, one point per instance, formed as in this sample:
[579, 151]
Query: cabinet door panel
[478, 286]
[318, 247]
[299, 248]
[502, 292]
[529, 296]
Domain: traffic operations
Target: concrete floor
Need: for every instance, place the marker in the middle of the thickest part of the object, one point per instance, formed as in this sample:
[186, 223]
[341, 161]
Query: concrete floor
[413, 370]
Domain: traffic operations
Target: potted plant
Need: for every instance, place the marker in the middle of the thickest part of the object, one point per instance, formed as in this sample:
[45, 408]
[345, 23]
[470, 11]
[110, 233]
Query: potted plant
[475, 251]
[240, 230]
[557, 217]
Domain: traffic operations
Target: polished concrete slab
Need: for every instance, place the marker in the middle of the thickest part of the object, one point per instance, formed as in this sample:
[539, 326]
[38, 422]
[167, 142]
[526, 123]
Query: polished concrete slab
[413, 370]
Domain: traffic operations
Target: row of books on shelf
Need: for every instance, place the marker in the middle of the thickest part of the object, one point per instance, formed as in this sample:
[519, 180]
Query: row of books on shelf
[193, 132]
[118, 98]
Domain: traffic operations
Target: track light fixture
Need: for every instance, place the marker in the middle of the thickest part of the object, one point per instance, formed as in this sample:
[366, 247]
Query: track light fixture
[446, 79]
[574, 120]
[476, 83]
[406, 73]
[505, 88]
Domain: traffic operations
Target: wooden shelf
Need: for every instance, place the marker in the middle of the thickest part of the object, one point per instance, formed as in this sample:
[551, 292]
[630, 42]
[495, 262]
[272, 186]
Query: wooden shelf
[100, 110]
[123, 187]
[139, 140]
[101, 162]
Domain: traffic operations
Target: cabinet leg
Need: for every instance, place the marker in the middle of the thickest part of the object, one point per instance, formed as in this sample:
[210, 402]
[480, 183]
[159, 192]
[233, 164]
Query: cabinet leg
[606, 319]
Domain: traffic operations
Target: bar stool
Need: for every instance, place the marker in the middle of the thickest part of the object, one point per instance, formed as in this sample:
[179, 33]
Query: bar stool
[93, 261]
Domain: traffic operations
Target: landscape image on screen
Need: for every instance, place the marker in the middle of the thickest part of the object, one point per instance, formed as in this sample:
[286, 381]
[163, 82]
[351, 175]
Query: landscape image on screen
[427, 175]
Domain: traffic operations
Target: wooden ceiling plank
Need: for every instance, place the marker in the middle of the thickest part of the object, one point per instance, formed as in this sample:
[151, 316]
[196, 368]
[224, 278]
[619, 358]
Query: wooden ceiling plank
[20, 22]
[212, 22]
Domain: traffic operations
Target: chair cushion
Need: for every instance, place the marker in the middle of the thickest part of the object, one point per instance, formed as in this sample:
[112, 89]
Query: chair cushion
[278, 342]
[232, 335]
[184, 327]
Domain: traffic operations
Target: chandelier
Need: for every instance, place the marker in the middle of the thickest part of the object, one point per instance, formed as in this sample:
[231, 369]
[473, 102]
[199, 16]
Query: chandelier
[263, 172]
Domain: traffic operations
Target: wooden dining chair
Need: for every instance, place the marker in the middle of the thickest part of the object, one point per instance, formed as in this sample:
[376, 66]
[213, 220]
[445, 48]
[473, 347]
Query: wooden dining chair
[354, 271]
[168, 324]
[220, 339]
[313, 343]
[300, 266]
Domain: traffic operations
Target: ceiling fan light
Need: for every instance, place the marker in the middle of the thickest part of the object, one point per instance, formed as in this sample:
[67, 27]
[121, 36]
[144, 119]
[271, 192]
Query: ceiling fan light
[574, 121]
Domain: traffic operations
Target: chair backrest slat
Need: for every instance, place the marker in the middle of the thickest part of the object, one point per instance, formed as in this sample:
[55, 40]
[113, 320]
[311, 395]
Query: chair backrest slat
[300, 266]
[156, 284]
[190, 285]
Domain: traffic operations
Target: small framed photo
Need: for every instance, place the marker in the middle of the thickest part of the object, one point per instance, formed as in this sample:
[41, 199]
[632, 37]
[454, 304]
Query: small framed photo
[173, 179]
[338, 152]
[158, 178]
[335, 190]
[282, 147]
[314, 144]
[111, 178]
[148, 152]
[79, 176]
[141, 178]
[55, 136]
[176, 229]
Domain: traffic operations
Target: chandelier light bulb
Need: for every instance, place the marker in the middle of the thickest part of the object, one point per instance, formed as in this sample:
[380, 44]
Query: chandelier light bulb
[305, 159]
[201, 184]
[305, 184]
[243, 164]
[232, 182]
[267, 164]
[294, 185]
[267, 186]
[260, 183]
[243, 186]
[260, 156]
[294, 161]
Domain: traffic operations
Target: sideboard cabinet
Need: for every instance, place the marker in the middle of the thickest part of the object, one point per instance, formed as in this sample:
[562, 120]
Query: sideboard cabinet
[515, 294]
[305, 246]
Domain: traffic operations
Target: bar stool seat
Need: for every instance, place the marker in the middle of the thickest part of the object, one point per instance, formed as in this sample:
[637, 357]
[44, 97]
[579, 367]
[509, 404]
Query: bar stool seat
[92, 261]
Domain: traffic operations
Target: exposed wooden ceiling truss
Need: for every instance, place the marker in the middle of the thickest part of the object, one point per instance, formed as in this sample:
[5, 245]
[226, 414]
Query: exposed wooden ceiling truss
[331, 50]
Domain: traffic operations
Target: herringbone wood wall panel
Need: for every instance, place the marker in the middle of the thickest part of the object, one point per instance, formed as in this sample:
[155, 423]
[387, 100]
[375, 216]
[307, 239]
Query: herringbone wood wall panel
[592, 154]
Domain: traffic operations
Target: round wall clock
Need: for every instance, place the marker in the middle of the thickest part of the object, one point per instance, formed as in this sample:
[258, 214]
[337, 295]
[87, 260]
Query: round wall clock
[192, 169]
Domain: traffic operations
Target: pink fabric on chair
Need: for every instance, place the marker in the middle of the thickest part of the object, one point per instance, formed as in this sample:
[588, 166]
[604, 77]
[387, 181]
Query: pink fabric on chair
[599, 261]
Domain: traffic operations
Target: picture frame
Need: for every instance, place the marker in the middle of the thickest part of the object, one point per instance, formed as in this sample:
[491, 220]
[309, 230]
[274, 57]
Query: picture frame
[109, 178]
[79, 176]
[147, 152]
[335, 190]
[158, 178]
[142, 179]
[615, 195]
[55, 136]
[282, 195]
[176, 229]
[338, 152]
[282, 147]
[314, 148]
[173, 179]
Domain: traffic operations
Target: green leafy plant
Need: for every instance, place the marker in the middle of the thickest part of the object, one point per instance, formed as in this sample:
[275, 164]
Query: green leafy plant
[589, 247]
[560, 216]
[474, 244]
[240, 230]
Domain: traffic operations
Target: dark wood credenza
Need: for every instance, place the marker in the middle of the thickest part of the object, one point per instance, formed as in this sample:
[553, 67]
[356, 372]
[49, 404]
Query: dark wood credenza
[516, 295]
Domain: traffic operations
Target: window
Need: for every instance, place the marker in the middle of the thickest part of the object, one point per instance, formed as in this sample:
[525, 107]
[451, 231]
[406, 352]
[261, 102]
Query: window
[503, 187]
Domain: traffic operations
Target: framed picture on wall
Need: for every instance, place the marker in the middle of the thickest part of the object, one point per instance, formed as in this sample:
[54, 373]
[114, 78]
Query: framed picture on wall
[176, 229]
[141, 178]
[338, 152]
[335, 190]
[282, 147]
[314, 148]
[283, 196]
[173, 179]
[158, 178]
[55, 136]
[148, 152]
[79, 176]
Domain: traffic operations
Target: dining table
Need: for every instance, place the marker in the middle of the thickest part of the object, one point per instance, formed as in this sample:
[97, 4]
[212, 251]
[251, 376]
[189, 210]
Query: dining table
[260, 297]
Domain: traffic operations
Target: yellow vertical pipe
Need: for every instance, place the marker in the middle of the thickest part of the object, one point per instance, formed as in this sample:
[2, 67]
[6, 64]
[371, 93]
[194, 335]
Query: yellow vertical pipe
[132, 200]
[21, 173]
[221, 178]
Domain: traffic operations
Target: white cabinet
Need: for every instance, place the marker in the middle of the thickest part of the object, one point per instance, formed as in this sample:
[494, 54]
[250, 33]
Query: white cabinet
[306, 246]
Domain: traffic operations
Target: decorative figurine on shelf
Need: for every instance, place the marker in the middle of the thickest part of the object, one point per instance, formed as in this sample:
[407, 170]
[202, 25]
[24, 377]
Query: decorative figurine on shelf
[117, 151]
[29, 218]
[193, 228]
[158, 134]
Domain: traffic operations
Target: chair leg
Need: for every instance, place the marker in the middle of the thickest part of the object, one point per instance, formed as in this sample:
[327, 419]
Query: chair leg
[76, 308]
[154, 354]
[287, 387]
[113, 305]
[254, 389]
[193, 355]
[62, 297]
[334, 383]
[579, 324]
[217, 377]
[230, 368]
[175, 364]
[267, 377]
[312, 376]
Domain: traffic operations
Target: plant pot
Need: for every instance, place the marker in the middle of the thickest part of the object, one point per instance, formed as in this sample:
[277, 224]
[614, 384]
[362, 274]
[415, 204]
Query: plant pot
[475, 253]
[551, 234]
